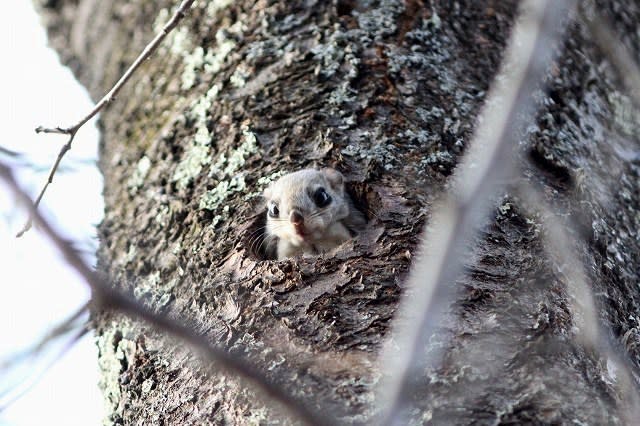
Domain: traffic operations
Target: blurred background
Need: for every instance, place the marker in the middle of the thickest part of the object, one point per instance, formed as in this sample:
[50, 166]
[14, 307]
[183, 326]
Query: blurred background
[57, 386]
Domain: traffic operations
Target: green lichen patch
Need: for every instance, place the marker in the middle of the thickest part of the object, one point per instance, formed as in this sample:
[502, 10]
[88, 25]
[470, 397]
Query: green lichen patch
[154, 291]
[239, 77]
[131, 254]
[258, 416]
[266, 180]
[115, 353]
[198, 153]
[214, 59]
[191, 165]
[228, 170]
[212, 7]
[201, 108]
[162, 217]
[238, 157]
[211, 199]
[193, 63]
[139, 174]
[383, 153]
[196, 60]
[180, 42]
[147, 385]
[625, 115]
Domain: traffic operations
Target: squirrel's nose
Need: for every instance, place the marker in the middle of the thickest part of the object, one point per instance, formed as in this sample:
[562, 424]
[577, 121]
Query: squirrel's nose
[296, 218]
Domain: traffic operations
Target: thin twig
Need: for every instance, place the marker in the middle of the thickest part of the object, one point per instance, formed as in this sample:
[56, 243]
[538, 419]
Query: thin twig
[489, 161]
[106, 99]
[111, 95]
[66, 147]
[107, 297]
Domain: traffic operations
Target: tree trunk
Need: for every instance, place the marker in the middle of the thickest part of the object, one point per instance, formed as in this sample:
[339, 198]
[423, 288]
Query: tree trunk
[387, 92]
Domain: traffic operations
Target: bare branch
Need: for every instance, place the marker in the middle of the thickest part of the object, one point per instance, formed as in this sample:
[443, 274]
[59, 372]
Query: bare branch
[561, 247]
[7, 398]
[9, 153]
[66, 147]
[16, 158]
[509, 107]
[107, 297]
[60, 330]
[602, 34]
[106, 99]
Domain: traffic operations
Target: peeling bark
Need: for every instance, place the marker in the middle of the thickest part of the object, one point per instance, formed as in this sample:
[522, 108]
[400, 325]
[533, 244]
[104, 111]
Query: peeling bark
[388, 93]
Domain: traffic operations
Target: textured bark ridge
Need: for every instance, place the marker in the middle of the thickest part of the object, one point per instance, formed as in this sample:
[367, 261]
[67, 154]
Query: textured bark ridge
[388, 93]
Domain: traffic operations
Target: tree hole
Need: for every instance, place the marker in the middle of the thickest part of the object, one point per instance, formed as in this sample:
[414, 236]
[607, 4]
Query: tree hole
[253, 237]
[344, 7]
[558, 175]
[364, 199]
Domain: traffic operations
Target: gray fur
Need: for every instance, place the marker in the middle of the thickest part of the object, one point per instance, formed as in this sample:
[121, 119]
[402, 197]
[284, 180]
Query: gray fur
[324, 228]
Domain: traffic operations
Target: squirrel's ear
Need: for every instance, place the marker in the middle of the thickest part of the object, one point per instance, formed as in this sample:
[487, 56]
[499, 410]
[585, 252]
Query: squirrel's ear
[334, 177]
[266, 194]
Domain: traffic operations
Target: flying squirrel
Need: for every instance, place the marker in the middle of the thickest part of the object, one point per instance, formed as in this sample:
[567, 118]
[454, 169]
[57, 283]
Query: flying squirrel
[309, 212]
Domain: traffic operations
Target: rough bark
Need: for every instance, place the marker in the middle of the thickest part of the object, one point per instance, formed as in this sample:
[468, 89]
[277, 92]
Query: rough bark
[387, 92]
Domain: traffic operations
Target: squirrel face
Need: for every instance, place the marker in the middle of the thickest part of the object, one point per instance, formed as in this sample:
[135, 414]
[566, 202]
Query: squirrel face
[303, 207]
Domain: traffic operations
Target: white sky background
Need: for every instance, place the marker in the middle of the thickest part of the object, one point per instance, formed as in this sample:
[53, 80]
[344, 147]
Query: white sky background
[37, 291]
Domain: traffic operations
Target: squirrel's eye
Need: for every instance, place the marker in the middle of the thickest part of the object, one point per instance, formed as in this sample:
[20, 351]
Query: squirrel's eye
[273, 210]
[321, 198]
